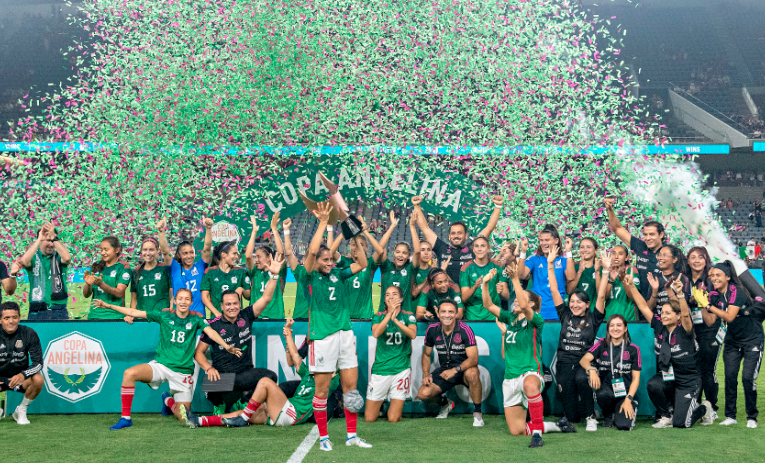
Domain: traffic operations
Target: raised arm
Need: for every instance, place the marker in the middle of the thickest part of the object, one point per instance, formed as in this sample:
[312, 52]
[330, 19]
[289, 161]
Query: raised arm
[292, 349]
[429, 234]
[488, 304]
[212, 334]
[62, 251]
[26, 258]
[376, 247]
[616, 224]
[249, 251]
[702, 300]
[600, 303]
[551, 256]
[123, 310]
[675, 291]
[415, 239]
[494, 218]
[323, 215]
[268, 292]
[207, 246]
[629, 286]
[288, 253]
[386, 237]
[572, 283]
[275, 233]
[164, 246]
[523, 270]
[654, 299]
[204, 364]
[569, 261]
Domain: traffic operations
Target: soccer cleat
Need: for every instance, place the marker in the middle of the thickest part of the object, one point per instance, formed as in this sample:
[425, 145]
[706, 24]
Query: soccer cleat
[122, 423]
[592, 424]
[357, 441]
[608, 422]
[235, 422]
[325, 444]
[707, 419]
[751, 424]
[565, 425]
[477, 421]
[20, 416]
[728, 422]
[192, 421]
[445, 410]
[664, 422]
[536, 440]
[166, 411]
[714, 416]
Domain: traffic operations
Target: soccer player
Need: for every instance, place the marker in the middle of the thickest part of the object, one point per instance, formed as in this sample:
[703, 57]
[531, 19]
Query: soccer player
[186, 271]
[671, 264]
[8, 280]
[427, 262]
[471, 276]
[394, 329]
[536, 266]
[458, 250]
[279, 410]
[743, 336]
[400, 271]
[677, 374]
[615, 382]
[302, 292]
[108, 282]
[579, 328]
[360, 286]
[46, 262]
[616, 300]
[587, 270]
[235, 328]
[150, 282]
[457, 351]
[645, 249]
[174, 362]
[21, 359]
[332, 344]
[440, 288]
[522, 345]
[223, 274]
[258, 264]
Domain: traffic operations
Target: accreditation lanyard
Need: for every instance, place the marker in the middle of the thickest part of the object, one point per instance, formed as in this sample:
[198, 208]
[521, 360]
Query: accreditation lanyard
[617, 383]
[448, 345]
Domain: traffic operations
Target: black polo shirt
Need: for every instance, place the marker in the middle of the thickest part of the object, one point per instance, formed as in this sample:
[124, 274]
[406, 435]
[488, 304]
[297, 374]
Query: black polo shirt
[237, 334]
[645, 262]
[3, 275]
[460, 256]
[452, 348]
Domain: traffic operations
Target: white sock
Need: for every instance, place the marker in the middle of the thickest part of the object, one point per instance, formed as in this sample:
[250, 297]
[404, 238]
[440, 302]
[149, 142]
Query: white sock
[536, 431]
[25, 403]
[351, 435]
[551, 427]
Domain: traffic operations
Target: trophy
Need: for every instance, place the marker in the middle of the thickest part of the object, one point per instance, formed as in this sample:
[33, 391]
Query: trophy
[349, 223]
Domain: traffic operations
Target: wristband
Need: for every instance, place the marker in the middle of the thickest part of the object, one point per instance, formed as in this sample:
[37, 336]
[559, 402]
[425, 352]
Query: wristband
[605, 272]
[286, 233]
[497, 207]
[329, 228]
[568, 255]
[631, 398]
[273, 277]
[522, 256]
[208, 369]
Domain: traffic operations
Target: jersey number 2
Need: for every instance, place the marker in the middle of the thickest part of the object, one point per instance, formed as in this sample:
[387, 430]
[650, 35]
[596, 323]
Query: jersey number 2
[332, 294]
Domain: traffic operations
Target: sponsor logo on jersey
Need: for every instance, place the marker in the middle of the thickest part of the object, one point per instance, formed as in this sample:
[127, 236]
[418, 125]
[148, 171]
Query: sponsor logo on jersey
[233, 280]
[113, 274]
[458, 338]
[403, 272]
[75, 366]
[223, 331]
[188, 326]
[625, 355]
[194, 271]
[157, 276]
[333, 279]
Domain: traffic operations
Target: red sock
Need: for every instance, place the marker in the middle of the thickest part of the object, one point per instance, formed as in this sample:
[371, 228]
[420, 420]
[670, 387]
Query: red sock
[350, 421]
[127, 400]
[320, 414]
[210, 421]
[170, 402]
[250, 409]
[537, 412]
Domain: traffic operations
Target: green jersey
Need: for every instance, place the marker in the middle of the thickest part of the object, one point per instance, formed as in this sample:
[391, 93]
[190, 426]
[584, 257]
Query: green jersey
[421, 275]
[177, 339]
[216, 281]
[303, 398]
[359, 288]
[328, 310]
[469, 275]
[588, 283]
[394, 349]
[302, 294]
[42, 272]
[510, 289]
[401, 277]
[431, 299]
[275, 308]
[522, 343]
[117, 274]
[151, 288]
[619, 303]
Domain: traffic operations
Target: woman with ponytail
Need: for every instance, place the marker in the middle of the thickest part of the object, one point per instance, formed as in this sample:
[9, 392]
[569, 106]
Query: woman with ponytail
[587, 276]
[672, 267]
[108, 281]
[439, 289]
[150, 283]
[257, 262]
[223, 275]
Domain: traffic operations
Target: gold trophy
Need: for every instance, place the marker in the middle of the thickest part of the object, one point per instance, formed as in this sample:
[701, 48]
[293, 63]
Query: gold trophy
[349, 223]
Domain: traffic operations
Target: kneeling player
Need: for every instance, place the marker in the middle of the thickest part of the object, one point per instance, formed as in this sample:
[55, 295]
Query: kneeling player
[278, 410]
[458, 358]
[174, 362]
[19, 345]
[524, 378]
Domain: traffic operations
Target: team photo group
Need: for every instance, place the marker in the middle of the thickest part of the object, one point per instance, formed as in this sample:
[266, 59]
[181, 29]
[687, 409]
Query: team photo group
[698, 310]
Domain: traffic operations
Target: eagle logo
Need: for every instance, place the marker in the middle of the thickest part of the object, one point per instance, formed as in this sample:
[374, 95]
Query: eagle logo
[74, 383]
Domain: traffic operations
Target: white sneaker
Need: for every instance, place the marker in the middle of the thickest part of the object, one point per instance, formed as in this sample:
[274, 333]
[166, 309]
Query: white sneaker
[592, 424]
[20, 416]
[478, 420]
[708, 417]
[325, 444]
[751, 424]
[663, 422]
[445, 410]
[714, 416]
[728, 422]
[358, 442]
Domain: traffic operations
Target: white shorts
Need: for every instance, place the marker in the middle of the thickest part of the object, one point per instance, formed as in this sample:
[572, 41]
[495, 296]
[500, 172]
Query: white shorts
[512, 390]
[181, 386]
[335, 352]
[286, 417]
[397, 387]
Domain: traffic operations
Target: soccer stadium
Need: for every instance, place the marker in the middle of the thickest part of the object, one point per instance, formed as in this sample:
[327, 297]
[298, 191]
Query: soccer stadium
[537, 222]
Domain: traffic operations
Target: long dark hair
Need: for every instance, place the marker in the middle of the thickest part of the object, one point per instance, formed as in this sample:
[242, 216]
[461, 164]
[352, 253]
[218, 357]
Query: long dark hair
[594, 245]
[183, 243]
[735, 280]
[114, 242]
[581, 295]
[681, 265]
[142, 264]
[218, 251]
[708, 263]
[626, 337]
[553, 230]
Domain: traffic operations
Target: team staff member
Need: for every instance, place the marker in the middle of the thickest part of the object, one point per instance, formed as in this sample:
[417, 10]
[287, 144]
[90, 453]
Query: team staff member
[440, 288]
[332, 346]
[458, 250]
[399, 271]
[587, 270]
[235, 328]
[8, 280]
[186, 271]
[21, 359]
[174, 362]
[222, 275]
[645, 250]
[302, 292]
[743, 342]
[394, 329]
[579, 327]
[108, 282]
[457, 351]
[46, 262]
[671, 263]
[360, 286]
[472, 274]
[258, 263]
[617, 375]
[150, 288]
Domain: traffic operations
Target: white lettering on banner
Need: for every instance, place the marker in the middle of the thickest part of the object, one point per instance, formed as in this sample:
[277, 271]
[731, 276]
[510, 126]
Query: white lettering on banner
[363, 177]
[270, 204]
[277, 356]
[380, 182]
[410, 184]
[290, 198]
[437, 193]
[304, 183]
[454, 199]
[75, 366]
[395, 182]
[319, 185]
[345, 179]
[424, 186]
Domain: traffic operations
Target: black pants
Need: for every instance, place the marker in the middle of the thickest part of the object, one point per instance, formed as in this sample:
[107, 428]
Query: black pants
[706, 362]
[752, 357]
[575, 391]
[686, 410]
[244, 384]
[333, 400]
[609, 404]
